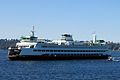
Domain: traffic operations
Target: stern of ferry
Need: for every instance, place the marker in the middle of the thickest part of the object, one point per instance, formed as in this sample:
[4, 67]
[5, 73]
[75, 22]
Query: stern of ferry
[13, 53]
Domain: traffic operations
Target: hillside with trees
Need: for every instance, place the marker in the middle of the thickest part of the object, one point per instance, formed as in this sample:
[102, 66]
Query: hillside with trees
[6, 43]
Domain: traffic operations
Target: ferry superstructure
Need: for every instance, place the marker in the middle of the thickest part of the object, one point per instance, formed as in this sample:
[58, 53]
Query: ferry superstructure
[31, 48]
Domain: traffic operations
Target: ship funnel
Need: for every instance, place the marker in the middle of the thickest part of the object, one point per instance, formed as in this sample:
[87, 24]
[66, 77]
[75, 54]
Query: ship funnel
[94, 38]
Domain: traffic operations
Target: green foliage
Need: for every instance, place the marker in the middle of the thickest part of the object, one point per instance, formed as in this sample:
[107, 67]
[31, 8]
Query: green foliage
[6, 43]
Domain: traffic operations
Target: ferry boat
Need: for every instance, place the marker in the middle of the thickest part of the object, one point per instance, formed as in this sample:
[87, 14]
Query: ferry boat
[32, 48]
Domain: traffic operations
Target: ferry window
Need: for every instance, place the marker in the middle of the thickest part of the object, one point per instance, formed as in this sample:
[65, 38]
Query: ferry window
[39, 50]
[74, 50]
[32, 46]
[61, 54]
[34, 50]
[61, 50]
[64, 54]
[65, 50]
[43, 50]
[98, 51]
[83, 51]
[102, 51]
[95, 51]
[78, 51]
[44, 46]
[51, 50]
[54, 50]
[47, 50]
[105, 50]
[68, 51]
[58, 50]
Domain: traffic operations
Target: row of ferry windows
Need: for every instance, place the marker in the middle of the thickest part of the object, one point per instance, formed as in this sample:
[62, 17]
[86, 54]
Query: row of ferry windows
[74, 54]
[73, 47]
[70, 50]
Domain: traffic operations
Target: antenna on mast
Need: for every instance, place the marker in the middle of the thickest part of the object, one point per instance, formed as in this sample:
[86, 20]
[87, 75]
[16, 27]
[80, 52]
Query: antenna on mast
[33, 32]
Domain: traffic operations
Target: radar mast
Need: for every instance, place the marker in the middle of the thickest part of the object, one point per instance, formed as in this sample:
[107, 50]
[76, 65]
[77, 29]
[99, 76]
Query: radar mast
[33, 32]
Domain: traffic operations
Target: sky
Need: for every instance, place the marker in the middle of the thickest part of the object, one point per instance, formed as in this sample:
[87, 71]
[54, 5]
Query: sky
[52, 18]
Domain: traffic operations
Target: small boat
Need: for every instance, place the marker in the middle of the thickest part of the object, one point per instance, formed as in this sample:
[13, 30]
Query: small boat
[114, 58]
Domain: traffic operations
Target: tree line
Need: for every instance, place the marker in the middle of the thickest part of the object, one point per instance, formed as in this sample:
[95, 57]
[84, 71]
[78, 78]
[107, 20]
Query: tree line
[6, 43]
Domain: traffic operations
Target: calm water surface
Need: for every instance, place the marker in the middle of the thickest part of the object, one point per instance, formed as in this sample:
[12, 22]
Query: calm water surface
[58, 70]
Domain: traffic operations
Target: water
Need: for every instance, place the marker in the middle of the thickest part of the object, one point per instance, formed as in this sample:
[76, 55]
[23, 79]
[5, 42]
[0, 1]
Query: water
[58, 70]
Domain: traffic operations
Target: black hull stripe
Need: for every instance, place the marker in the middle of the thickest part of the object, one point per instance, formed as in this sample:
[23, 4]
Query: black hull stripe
[30, 57]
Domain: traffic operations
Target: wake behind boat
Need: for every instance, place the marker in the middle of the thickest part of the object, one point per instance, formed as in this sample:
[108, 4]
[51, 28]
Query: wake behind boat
[32, 48]
[114, 59]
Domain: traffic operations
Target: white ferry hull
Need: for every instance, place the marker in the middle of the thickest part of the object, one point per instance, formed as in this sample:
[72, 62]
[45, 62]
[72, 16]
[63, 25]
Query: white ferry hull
[18, 55]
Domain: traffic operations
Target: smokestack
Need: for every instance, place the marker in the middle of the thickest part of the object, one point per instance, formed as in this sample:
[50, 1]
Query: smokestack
[94, 38]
